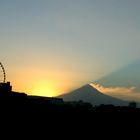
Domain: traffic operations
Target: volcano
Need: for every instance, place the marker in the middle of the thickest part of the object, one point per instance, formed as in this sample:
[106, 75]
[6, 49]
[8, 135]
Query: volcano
[89, 94]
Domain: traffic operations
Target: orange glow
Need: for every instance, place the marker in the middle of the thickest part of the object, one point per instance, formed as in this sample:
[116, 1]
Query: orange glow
[50, 83]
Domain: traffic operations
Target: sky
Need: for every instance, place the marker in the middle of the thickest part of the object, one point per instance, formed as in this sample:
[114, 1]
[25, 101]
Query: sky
[50, 47]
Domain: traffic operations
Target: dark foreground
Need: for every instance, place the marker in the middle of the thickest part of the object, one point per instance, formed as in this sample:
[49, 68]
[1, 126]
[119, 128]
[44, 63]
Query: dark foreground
[53, 118]
[22, 115]
[33, 107]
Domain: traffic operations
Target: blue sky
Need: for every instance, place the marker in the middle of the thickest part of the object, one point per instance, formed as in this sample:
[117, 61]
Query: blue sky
[81, 40]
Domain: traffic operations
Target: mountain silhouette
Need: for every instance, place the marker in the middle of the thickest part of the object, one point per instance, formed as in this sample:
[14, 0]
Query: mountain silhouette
[89, 94]
[127, 76]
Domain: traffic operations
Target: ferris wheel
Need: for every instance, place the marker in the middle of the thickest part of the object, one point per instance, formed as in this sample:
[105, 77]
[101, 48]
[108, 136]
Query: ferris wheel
[2, 74]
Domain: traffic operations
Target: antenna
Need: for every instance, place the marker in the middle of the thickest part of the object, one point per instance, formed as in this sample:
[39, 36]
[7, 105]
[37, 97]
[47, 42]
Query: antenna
[4, 73]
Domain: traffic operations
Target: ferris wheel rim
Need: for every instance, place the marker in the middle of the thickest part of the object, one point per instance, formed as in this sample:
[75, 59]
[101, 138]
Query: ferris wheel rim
[4, 73]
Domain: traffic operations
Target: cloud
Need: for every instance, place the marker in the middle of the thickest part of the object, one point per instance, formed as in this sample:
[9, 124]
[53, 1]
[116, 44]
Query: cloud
[125, 93]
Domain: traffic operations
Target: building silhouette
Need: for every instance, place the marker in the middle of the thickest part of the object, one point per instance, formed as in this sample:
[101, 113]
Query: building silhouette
[5, 87]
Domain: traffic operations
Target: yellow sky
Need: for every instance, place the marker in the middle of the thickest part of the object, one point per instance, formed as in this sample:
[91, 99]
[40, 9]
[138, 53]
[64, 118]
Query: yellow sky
[35, 81]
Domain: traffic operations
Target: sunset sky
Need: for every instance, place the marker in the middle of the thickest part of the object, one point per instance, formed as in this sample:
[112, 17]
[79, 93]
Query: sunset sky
[50, 47]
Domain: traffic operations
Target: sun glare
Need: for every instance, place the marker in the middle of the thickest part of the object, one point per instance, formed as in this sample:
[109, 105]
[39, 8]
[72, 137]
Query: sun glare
[44, 90]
